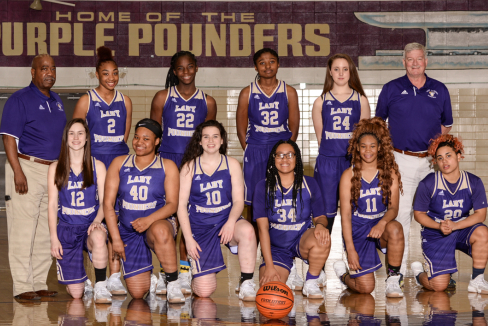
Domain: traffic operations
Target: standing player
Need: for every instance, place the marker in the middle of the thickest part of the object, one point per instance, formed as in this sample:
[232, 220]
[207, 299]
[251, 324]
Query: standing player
[180, 107]
[75, 185]
[108, 114]
[442, 206]
[209, 211]
[372, 187]
[282, 206]
[147, 187]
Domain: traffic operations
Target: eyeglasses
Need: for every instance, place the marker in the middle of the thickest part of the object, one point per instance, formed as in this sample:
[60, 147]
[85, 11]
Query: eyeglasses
[281, 156]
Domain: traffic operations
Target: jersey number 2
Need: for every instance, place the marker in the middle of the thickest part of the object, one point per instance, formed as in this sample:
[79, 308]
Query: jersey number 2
[77, 198]
[269, 118]
[111, 126]
[183, 121]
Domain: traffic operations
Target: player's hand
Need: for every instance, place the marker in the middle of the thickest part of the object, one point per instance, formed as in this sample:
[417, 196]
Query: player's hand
[445, 228]
[321, 233]
[377, 231]
[141, 224]
[270, 274]
[94, 226]
[450, 224]
[192, 247]
[353, 259]
[227, 232]
[56, 249]
[118, 250]
[20, 183]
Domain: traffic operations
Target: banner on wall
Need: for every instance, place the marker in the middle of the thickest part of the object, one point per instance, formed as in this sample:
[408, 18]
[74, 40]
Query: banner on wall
[226, 34]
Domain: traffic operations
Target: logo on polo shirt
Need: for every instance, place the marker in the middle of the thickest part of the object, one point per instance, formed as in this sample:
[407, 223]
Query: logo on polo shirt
[404, 92]
[41, 107]
[432, 93]
[60, 107]
[97, 104]
[328, 103]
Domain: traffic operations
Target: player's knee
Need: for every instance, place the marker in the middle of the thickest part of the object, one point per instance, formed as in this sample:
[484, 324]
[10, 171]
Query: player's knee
[439, 285]
[395, 230]
[203, 290]
[75, 290]
[365, 288]
[138, 285]
[137, 293]
[162, 235]
[98, 238]
[480, 234]
[247, 232]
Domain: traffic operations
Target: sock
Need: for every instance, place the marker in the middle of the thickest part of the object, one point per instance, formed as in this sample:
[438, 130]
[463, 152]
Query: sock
[311, 277]
[476, 272]
[477, 313]
[343, 278]
[161, 269]
[100, 274]
[393, 270]
[170, 277]
[246, 276]
[184, 266]
[417, 277]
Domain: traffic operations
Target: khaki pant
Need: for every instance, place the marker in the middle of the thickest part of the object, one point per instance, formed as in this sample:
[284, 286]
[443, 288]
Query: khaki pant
[29, 244]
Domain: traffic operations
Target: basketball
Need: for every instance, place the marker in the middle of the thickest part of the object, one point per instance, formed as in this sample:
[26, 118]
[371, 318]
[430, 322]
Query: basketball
[274, 300]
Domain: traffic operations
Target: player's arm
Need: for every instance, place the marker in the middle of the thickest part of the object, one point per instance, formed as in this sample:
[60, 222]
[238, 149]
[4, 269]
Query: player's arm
[270, 274]
[392, 212]
[478, 198]
[321, 233]
[10, 145]
[157, 105]
[101, 174]
[211, 109]
[293, 112]
[171, 188]
[237, 180]
[81, 108]
[186, 176]
[318, 123]
[52, 212]
[112, 182]
[365, 109]
[242, 117]
[346, 215]
[128, 119]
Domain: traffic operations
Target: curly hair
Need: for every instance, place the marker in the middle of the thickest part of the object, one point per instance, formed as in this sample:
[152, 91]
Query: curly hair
[194, 149]
[377, 128]
[273, 177]
[445, 140]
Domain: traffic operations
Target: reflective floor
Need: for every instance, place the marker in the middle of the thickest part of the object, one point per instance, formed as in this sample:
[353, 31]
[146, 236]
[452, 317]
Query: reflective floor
[340, 307]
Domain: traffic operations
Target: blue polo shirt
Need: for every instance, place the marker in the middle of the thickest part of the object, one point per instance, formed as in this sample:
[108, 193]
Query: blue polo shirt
[36, 121]
[415, 115]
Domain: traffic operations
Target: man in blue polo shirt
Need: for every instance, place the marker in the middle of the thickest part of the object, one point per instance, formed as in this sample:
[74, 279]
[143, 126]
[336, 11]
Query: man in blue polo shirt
[417, 108]
[32, 127]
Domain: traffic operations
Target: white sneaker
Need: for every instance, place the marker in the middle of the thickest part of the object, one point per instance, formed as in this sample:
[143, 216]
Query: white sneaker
[311, 290]
[478, 285]
[185, 282]
[247, 291]
[115, 286]
[87, 299]
[392, 288]
[322, 280]
[294, 280]
[101, 294]
[477, 301]
[88, 287]
[174, 294]
[161, 286]
[340, 268]
[417, 268]
[154, 283]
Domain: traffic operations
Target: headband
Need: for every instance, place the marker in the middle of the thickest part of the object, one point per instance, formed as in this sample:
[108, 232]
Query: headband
[152, 125]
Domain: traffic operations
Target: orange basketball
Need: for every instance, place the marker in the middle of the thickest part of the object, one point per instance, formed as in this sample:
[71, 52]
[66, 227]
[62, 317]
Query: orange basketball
[274, 300]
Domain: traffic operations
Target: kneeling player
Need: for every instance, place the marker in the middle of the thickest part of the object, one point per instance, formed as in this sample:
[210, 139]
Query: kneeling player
[371, 186]
[147, 187]
[282, 206]
[442, 205]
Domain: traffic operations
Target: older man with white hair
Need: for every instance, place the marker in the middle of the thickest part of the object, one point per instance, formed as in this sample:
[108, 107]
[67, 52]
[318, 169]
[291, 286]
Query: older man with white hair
[417, 108]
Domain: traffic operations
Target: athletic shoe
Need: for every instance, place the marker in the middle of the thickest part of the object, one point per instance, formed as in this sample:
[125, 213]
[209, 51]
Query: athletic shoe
[115, 286]
[88, 287]
[87, 299]
[154, 283]
[185, 282]
[478, 285]
[311, 290]
[452, 284]
[174, 294]
[294, 280]
[477, 302]
[340, 269]
[161, 285]
[247, 291]
[417, 268]
[185, 312]
[392, 288]
[101, 294]
[322, 280]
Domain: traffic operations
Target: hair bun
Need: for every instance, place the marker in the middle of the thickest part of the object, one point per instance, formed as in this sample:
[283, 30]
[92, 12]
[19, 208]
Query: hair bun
[104, 53]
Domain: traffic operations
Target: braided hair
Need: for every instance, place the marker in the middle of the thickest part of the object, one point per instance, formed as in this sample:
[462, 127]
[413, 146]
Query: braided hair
[104, 54]
[171, 79]
[273, 180]
[259, 53]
